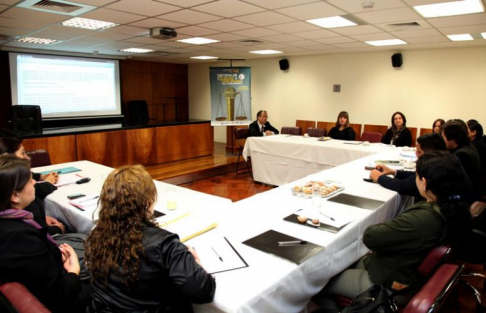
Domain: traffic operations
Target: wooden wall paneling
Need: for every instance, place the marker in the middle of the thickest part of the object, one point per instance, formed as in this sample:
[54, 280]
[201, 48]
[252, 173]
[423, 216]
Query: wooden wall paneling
[131, 66]
[376, 128]
[304, 125]
[184, 142]
[413, 130]
[136, 86]
[163, 90]
[61, 149]
[357, 130]
[326, 125]
[142, 147]
[424, 131]
[107, 148]
[5, 95]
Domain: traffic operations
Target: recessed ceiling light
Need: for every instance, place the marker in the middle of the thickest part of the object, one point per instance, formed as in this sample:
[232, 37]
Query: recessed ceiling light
[332, 22]
[204, 57]
[137, 50]
[40, 41]
[484, 35]
[460, 37]
[198, 41]
[450, 8]
[85, 23]
[266, 52]
[389, 42]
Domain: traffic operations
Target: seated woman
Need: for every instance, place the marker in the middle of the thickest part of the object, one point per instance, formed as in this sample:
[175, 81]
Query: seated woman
[398, 134]
[437, 126]
[13, 146]
[28, 254]
[400, 245]
[134, 264]
[475, 132]
[342, 130]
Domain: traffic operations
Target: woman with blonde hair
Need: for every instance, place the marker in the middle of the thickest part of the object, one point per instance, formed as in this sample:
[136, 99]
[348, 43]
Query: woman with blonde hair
[342, 130]
[134, 264]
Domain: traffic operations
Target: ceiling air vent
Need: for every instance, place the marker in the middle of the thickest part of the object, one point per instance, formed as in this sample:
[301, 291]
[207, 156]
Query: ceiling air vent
[56, 7]
[403, 26]
[251, 41]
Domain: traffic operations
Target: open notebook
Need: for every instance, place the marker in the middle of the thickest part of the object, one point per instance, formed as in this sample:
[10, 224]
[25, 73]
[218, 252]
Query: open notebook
[186, 225]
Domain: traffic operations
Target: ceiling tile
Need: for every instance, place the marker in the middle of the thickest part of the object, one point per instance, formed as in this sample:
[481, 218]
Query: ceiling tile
[144, 40]
[96, 3]
[128, 30]
[226, 25]
[376, 36]
[462, 20]
[421, 2]
[352, 45]
[317, 34]
[294, 27]
[185, 3]
[143, 7]
[277, 4]
[50, 35]
[256, 32]
[228, 8]
[31, 15]
[311, 11]
[112, 16]
[265, 18]
[155, 22]
[353, 6]
[14, 23]
[303, 43]
[68, 30]
[281, 38]
[227, 37]
[416, 33]
[190, 17]
[91, 40]
[357, 30]
[3, 7]
[427, 39]
[196, 31]
[336, 40]
[14, 31]
[9, 2]
[389, 16]
[225, 45]
[473, 29]
[110, 35]
[319, 47]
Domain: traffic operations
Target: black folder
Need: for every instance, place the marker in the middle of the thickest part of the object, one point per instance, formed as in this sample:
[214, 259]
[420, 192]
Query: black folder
[356, 201]
[268, 242]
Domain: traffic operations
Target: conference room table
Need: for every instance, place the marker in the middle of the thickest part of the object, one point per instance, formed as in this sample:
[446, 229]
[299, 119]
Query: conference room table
[281, 159]
[274, 284]
[269, 283]
[57, 203]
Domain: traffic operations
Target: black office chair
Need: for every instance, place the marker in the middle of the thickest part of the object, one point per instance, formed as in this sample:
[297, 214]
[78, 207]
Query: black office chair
[27, 119]
[138, 111]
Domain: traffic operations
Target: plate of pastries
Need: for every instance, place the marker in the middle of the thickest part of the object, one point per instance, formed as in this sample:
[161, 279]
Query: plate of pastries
[326, 188]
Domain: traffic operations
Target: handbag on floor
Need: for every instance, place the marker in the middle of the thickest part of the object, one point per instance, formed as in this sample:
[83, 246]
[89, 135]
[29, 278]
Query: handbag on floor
[376, 299]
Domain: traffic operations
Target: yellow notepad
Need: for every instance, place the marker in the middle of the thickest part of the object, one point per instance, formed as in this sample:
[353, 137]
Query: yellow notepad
[187, 225]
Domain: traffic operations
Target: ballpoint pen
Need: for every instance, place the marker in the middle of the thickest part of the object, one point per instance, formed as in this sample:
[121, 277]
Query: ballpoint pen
[292, 242]
[325, 215]
[89, 199]
[220, 258]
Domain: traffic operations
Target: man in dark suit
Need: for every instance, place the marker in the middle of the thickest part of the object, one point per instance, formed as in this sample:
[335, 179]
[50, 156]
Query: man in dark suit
[261, 127]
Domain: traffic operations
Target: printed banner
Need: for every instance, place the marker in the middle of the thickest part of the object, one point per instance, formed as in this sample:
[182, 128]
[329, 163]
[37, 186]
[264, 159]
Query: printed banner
[230, 96]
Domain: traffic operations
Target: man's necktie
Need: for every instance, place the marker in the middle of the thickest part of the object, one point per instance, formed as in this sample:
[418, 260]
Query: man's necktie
[262, 128]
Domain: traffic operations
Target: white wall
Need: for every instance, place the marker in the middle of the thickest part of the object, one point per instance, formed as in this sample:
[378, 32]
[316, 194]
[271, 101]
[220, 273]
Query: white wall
[442, 83]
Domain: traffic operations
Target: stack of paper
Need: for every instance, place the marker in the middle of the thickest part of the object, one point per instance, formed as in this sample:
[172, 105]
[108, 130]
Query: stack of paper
[85, 202]
[186, 225]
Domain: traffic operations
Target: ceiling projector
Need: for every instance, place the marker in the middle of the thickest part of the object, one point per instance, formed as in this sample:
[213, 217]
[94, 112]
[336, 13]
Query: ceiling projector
[163, 33]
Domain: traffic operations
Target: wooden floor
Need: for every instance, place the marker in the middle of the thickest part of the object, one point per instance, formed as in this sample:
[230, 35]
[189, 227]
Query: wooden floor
[216, 175]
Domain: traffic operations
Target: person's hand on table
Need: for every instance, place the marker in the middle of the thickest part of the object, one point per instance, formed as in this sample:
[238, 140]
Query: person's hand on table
[385, 170]
[268, 133]
[375, 174]
[51, 177]
[70, 259]
[51, 221]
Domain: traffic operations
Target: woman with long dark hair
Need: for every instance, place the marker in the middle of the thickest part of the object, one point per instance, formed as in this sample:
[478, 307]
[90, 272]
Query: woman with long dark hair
[437, 126]
[400, 245]
[342, 130]
[28, 254]
[398, 134]
[134, 264]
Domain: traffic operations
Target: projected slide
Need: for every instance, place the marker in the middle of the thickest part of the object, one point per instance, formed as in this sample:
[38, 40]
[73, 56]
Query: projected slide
[66, 86]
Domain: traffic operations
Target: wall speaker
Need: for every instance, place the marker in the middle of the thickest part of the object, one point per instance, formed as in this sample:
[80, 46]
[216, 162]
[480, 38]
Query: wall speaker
[284, 64]
[397, 60]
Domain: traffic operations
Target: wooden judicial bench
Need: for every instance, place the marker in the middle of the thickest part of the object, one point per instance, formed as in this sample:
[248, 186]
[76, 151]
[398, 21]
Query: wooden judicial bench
[150, 144]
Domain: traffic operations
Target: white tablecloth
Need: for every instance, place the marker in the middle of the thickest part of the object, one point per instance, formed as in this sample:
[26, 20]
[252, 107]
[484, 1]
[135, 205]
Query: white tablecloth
[280, 159]
[57, 203]
[272, 284]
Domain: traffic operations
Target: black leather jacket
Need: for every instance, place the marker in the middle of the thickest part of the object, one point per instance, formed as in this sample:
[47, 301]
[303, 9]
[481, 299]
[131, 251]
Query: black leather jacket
[169, 280]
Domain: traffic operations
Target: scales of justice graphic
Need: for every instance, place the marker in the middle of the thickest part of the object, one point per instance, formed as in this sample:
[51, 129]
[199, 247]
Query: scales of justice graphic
[230, 94]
